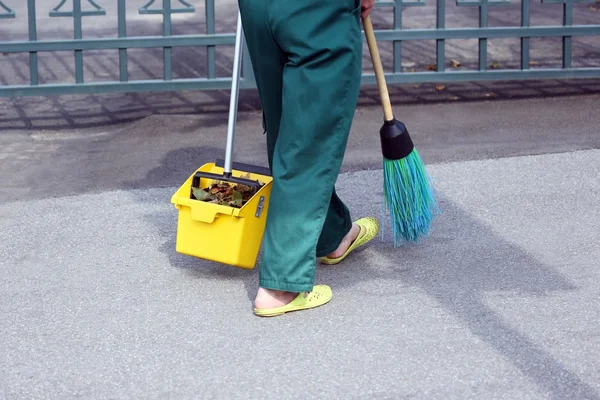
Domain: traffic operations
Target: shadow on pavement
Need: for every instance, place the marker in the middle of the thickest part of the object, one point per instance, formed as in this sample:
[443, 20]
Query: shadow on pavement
[461, 262]
[166, 222]
[102, 110]
[458, 265]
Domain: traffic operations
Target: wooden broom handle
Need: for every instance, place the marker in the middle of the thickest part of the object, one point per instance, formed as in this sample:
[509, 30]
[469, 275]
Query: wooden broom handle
[379, 74]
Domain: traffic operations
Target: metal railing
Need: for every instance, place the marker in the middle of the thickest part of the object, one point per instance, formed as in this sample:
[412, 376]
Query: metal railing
[123, 42]
[525, 32]
[167, 41]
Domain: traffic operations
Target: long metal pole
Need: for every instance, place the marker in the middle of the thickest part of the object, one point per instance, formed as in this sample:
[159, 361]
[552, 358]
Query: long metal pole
[233, 103]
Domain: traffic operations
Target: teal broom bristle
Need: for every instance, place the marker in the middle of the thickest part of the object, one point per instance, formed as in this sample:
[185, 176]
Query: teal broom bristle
[409, 197]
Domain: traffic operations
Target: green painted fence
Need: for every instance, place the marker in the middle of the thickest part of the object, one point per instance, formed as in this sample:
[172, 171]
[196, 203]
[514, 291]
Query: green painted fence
[166, 8]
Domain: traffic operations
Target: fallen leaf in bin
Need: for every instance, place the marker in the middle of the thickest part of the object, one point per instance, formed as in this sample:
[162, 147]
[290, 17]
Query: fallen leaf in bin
[455, 63]
[201, 195]
[532, 63]
[238, 198]
[440, 88]
[225, 194]
[432, 67]
[495, 65]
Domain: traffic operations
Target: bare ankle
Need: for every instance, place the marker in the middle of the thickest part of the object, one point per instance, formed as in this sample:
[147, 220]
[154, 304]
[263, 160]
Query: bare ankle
[268, 298]
[346, 242]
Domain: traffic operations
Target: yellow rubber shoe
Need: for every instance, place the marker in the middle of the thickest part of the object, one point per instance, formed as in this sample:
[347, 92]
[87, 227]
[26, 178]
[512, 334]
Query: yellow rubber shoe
[321, 294]
[368, 230]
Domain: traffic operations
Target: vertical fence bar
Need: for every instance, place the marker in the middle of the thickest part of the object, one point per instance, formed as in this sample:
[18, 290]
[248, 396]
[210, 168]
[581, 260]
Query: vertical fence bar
[483, 22]
[123, 70]
[567, 21]
[398, 43]
[33, 58]
[210, 29]
[525, 42]
[77, 17]
[167, 32]
[440, 23]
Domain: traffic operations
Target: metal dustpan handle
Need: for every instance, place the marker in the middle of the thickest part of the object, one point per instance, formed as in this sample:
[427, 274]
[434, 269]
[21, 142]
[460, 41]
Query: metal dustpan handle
[233, 102]
[233, 108]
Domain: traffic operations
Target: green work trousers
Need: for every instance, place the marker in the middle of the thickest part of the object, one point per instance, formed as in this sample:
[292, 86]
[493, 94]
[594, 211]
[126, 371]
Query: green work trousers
[307, 60]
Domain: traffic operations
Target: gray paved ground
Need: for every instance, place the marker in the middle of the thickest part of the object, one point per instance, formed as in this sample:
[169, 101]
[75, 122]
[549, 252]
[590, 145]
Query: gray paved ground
[162, 149]
[500, 302]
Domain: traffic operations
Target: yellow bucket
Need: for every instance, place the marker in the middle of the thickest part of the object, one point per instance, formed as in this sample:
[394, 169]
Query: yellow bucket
[223, 234]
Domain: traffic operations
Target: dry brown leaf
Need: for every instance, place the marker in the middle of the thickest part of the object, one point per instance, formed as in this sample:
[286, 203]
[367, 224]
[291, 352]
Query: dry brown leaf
[432, 67]
[455, 63]
[532, 63]
[440, 88]
[225, 194]
[495, 65]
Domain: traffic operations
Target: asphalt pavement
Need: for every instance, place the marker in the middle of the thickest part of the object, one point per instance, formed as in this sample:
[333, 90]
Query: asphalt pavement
[500, 302]
[161, 150]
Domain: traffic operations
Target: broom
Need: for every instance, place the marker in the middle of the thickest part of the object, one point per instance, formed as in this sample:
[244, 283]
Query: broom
[407, 188]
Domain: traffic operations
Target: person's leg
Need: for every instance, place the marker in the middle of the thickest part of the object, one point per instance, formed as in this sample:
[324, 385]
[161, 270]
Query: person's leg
[268, 61]
[338, 224]
[321, 81]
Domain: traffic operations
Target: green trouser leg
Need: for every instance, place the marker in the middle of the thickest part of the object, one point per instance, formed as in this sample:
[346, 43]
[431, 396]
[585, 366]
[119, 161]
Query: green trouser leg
[307, 59]
[337, 224]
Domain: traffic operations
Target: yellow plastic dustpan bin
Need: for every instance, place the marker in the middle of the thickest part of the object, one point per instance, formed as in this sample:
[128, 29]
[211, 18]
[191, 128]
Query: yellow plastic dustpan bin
[219, 233]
